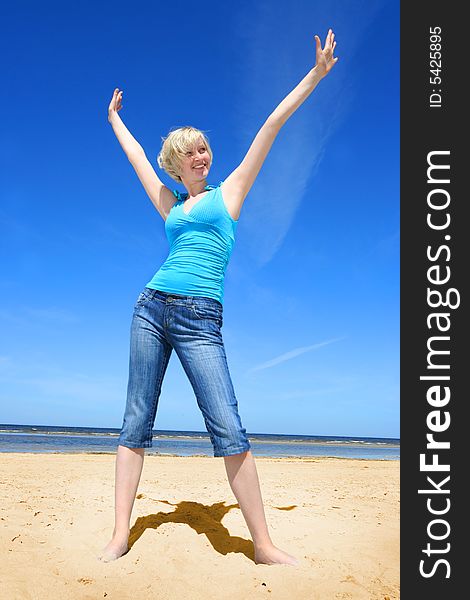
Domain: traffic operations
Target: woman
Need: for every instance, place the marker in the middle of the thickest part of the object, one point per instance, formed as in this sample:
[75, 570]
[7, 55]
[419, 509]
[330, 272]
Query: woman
[181, 307]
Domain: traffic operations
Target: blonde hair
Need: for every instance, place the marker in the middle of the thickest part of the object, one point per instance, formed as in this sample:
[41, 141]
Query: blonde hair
[174, 147]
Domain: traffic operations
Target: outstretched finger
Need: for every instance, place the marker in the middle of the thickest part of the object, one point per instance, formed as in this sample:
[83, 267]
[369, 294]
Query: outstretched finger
[318, 42]
[332, 37]
[328, 36]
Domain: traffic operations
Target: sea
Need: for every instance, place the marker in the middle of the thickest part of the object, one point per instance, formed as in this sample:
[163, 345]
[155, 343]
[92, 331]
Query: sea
[103, 440]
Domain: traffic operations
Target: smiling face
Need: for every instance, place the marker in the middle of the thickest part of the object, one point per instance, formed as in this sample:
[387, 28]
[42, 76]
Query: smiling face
[186, 155]
[195, 163]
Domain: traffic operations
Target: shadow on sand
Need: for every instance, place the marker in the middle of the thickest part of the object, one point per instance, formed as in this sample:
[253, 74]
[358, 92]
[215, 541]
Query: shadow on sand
[204, 519]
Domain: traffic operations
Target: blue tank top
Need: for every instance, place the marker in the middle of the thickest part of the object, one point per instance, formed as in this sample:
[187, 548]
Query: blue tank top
[201, 243]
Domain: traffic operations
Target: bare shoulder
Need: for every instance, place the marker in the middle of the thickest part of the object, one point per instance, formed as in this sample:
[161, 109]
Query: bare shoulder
[167, 201]
[232, 197]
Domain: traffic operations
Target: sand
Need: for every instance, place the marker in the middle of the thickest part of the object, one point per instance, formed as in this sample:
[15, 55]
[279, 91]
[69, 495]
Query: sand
[339, 517]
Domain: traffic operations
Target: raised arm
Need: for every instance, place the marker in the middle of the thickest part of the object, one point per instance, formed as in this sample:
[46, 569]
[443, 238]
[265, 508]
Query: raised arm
[237, 185]
[161, 197]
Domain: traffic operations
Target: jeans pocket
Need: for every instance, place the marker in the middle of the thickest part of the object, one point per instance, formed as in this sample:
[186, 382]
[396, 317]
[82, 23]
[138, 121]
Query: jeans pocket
[204, 311]
[144, 297]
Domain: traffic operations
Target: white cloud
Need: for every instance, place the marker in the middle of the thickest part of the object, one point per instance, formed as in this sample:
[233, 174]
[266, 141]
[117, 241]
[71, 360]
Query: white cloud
[292, 354]
[278, 52]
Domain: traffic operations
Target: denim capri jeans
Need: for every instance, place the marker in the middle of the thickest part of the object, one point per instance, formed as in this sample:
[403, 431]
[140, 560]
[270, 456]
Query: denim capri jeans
[191, 325]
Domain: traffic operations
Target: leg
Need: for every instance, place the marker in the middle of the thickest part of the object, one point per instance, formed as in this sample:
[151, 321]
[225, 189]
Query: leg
[129, 462]
[149, 357]
[198, 342]
[197, 339]
[243, 479]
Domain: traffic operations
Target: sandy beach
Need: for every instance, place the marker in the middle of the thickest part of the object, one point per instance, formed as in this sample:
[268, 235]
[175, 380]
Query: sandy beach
[339, 517]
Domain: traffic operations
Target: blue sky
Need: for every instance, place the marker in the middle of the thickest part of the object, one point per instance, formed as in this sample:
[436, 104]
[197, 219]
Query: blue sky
[311, 309]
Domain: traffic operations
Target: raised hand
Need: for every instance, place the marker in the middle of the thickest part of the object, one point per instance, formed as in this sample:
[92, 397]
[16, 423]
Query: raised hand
[116, 104]
[324, 57]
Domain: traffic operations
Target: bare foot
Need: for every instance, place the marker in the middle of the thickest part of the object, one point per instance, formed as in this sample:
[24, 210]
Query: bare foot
[116, 548]
[270, 555]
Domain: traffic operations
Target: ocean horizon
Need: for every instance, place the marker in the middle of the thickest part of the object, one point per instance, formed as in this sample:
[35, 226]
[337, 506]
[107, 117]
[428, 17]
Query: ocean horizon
[66, 439]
